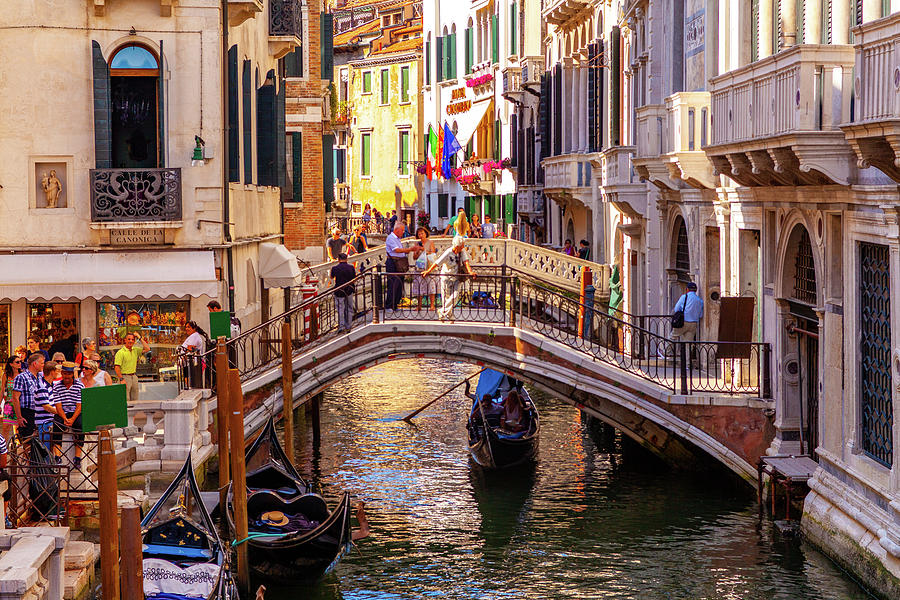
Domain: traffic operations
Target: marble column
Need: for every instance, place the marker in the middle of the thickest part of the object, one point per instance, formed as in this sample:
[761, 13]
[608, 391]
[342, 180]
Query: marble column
[812, 23]
[840, 22]
[789, 23]
[764, 41]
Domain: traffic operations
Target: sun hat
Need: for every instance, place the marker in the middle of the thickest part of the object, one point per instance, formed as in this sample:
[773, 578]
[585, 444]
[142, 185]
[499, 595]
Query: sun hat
[68, 367]
[275, 518]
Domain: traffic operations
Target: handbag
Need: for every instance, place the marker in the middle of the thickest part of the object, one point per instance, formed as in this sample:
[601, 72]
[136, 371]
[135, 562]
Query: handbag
[677, 319]
[422, 262]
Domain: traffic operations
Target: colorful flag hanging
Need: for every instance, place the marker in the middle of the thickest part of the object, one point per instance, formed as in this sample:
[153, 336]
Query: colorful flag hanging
[432, 141]
[451, 147]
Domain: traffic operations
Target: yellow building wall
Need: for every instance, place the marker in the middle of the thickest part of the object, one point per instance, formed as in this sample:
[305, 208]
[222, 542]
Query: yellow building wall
[385, 188]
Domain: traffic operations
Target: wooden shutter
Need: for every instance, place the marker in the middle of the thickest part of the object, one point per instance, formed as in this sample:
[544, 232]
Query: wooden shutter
[593, 72]
[557, 110]
[513, 139]
[280, 140]
[404, 84]
[265, 135]
[498, 142]
[615, 70]
[509, 213]
[495, 38]
[326, 34]
[453, 55]
[328, 171]
[544, 104]
[247, 115]
[385, 83]
[513, 27]
[468, 50]
[293, 63]
[234, 149]
[102, 111]
[297, 164]
[366, 154]
[428, 62]
[161, 110]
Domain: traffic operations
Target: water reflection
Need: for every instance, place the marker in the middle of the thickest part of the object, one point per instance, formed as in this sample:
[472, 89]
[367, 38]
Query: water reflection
[594, 518]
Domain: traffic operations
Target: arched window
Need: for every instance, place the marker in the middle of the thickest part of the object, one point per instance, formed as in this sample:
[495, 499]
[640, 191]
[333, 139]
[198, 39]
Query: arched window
[681, 253]
[136, 98]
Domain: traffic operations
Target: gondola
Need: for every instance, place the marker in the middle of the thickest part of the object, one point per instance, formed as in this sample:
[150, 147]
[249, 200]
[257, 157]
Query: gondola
[293, 534]
[490, 445]
[183, 556]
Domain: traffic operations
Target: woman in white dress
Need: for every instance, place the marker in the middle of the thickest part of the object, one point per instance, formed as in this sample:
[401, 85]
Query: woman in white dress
[454, 263]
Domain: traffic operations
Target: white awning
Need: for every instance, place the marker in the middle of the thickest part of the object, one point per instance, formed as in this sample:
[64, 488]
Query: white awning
[468, 121]
[108, 275]
[278, 267]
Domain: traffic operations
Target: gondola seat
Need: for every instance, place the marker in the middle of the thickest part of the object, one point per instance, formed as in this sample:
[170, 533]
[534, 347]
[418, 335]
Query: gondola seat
[163, 579]
[312, 506]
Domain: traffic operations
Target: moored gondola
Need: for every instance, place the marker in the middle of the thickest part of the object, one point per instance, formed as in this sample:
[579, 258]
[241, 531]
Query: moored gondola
[293, 534]
[183, 556]
[492, 443]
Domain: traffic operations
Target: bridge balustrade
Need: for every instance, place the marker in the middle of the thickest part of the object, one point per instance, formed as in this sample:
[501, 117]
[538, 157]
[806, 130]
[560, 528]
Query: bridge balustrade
[508, 297]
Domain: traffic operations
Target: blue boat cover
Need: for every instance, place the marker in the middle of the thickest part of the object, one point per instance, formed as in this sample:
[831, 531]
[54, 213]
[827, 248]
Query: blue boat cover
[488, 383]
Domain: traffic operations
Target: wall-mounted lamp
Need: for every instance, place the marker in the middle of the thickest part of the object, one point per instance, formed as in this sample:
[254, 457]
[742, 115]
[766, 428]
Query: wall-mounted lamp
[198, 158]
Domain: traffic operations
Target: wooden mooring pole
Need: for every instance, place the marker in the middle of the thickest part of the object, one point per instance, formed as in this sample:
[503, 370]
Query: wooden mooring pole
[131, 562]
[108, 491]
[222, 417]
[239, 473]
[287, 387]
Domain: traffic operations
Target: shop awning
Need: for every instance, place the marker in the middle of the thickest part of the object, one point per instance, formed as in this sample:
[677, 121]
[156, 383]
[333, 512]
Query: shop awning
[108, 275]
[468, 121]
[278, 267]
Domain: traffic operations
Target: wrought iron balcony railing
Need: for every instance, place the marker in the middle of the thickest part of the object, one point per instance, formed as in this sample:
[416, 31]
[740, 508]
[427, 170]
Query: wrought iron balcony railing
[119, 195]
[285, 18]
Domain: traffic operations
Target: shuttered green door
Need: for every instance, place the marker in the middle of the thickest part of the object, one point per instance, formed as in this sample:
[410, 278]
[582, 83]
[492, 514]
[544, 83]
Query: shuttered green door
[102, 118]
[509, 212]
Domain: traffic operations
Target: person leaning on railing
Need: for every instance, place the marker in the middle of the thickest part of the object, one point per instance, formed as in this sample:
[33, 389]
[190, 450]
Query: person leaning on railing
[686, 315]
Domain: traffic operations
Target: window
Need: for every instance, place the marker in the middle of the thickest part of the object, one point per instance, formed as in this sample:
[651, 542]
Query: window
[136, 92]
[367, 82]
[469, 50]
[159, 323]
[691, 124]
[404, 84]
[234, 132]
[366, 154]
[495, 38]
[385, 85]
[703, 120]
[876, 409]
[513, 25]
[428, 61]
[439, 59]
[246, 119]
[297, 165]
[443, 208]
[403, 152]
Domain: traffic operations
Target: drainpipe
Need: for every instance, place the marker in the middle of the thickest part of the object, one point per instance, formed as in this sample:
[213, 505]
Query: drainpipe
[226, 201]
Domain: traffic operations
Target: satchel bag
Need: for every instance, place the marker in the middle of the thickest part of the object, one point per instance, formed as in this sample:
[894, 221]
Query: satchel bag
[677, 319]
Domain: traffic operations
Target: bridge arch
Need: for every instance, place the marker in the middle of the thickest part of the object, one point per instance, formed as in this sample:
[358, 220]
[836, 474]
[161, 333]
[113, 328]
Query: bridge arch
[683, 432]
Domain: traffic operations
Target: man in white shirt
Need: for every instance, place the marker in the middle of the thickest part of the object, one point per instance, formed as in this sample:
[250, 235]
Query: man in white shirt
[397, 264]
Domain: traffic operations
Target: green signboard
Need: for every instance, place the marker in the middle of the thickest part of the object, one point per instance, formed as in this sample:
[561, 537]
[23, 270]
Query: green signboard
[220, 324]
[103, 405]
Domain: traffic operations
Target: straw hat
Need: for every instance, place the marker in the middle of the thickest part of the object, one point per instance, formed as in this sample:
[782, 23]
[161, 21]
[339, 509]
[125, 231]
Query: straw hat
[275, 517]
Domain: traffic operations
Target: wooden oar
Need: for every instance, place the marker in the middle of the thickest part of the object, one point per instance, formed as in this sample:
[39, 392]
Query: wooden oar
[410, 416]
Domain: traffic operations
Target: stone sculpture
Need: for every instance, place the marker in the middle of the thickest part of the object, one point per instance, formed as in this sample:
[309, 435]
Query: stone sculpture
[52, 187]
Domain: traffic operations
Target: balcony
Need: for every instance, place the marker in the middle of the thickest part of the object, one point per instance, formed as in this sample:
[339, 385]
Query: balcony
[874, 133]
[568, 177]
[341, 113]
[619, 183]
[777, 121]
[669, 140]
[285, 27]
[241, 10]
[123, 197]
[532, 69]
[529, 200]
[165, 7]
[559, 11]
[512, 84]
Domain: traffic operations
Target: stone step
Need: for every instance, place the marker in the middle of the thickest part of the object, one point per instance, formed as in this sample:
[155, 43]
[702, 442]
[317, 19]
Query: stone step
[76, 583]
[79, 554]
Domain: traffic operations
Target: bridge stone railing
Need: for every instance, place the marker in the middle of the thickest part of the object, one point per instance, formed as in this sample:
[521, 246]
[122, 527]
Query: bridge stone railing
[550, 266]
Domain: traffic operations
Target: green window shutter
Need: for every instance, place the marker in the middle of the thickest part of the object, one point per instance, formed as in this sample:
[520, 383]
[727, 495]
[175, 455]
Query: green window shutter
[234, 134]
[452, 56]
[509, 212]
[468, 50]
[328, 170]
[513, 25]
[366, 154]
[102, 110]
[439, 59]
[495, 38]
[293, 63]
[265, 135]
[385, 83]
[404, 84]
[246, 118]
[326, 33]
[297, 164]
[428, 62]
[404, 153]
[367, 82]
[280, 140]
[497, 144]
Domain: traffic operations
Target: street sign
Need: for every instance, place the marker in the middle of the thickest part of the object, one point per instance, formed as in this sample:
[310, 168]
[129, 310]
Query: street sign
[103, 405]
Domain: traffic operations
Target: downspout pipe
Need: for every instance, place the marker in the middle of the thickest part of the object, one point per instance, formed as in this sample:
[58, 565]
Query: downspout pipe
[226, 160]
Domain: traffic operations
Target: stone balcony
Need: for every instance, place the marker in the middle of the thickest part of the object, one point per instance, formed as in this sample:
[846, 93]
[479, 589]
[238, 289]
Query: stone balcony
[568, 177]
[512, 83]
[241, 10]
[874, 133]
[619, 183]
[532, 69]
[777, 121]
[285, 27]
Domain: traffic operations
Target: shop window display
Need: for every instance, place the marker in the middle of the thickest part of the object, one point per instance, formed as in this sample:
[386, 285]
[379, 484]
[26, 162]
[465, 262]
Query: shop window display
[159, 325]
[56, 326]
[4, 332]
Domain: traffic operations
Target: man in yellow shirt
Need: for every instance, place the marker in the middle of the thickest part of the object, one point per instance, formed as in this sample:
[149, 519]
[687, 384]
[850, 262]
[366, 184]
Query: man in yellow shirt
[126, 365]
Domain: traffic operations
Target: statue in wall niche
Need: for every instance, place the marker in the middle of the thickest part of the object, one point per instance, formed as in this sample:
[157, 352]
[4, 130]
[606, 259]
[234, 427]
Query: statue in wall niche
[52, 187]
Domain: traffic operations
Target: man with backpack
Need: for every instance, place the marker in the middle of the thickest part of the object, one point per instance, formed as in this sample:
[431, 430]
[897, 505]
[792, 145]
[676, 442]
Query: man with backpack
[686, 315]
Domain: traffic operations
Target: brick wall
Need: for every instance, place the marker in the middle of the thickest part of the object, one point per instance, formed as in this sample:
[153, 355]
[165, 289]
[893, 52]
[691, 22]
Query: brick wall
[304, 219]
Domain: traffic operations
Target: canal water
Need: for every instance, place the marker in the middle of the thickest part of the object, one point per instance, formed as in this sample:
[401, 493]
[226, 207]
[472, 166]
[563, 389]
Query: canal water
[595, 518]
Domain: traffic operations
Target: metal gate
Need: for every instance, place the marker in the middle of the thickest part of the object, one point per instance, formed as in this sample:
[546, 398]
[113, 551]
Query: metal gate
[875, 352]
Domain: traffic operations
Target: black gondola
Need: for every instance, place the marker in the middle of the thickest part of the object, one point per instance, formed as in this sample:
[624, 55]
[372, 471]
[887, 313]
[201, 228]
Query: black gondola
[293, 534]
[490, 445]
[183, 556]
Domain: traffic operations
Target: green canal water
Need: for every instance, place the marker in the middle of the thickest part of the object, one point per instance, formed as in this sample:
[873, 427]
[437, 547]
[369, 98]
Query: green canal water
[595, 518]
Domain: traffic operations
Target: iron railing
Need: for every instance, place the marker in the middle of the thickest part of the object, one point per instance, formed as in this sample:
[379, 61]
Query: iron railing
[503, 296]
[285, 18]
[119, 195]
